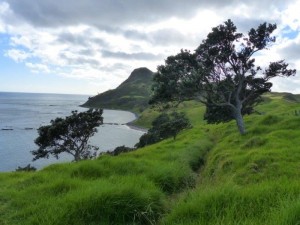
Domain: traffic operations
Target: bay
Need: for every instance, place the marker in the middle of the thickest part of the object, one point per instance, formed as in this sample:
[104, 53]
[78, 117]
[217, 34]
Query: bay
[21, 114]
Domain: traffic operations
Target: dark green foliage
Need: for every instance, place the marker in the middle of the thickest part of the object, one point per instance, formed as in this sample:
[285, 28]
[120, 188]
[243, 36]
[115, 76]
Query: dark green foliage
[26, 168]
[69, 135]
[120, 149]
[176, 123]
[217, 114]
[147, 139]
[166, 86]
[164, 126]
[133, 94]
[221, 73]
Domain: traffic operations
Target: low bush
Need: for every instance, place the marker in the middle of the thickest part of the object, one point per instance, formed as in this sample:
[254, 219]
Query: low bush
[164, 126]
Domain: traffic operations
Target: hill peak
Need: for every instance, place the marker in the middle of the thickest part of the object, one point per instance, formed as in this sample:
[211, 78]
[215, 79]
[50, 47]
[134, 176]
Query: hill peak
[142, 73]
[133, 94]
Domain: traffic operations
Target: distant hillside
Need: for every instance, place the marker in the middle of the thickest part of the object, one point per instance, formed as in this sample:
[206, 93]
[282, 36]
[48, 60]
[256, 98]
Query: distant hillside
[133, 94]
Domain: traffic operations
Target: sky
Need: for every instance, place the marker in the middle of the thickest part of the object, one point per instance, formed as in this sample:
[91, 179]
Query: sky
[90, 46]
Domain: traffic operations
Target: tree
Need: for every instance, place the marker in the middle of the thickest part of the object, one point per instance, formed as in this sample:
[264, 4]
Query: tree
[69, 135]
[120, 149]
[221, 73]
[164, 126]
[173, 124]
[147, 139]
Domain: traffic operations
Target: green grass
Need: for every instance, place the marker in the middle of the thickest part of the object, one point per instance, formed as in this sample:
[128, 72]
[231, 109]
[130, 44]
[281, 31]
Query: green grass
[209, 175]
[251, 179]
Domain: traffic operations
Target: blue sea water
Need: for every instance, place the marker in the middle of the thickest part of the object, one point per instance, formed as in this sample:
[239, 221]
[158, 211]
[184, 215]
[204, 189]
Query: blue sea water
[21, 114]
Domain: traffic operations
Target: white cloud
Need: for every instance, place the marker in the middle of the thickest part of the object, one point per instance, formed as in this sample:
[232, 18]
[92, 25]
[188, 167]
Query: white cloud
[38, 68]
[290, 16]
[18, 55]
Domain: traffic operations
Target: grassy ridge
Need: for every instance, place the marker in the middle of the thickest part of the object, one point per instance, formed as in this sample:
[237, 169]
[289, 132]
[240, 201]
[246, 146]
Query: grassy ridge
[209, 175]
[251, 179]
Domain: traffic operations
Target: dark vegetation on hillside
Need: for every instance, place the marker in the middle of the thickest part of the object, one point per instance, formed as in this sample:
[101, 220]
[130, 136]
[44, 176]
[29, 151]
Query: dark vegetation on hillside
[164, 126]
[133, 94]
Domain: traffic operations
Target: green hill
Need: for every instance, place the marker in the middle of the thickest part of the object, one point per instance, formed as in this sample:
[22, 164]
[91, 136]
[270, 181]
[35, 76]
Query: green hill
[209, 175]
[133, 94]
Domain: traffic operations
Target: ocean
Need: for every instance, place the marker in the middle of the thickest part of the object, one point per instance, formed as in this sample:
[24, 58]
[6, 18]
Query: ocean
[21, 114]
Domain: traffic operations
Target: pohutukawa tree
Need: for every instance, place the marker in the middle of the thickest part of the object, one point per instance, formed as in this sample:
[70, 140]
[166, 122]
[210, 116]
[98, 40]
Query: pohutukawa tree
[69, 135]
[221, 73]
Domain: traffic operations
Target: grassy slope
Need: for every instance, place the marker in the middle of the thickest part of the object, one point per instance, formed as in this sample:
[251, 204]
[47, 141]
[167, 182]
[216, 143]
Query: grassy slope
[192, 109]
[251, 179]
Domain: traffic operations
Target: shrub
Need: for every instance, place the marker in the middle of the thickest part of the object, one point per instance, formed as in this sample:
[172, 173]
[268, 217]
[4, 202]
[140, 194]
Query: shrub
[26, 168]
[164, 126]
[120, 149]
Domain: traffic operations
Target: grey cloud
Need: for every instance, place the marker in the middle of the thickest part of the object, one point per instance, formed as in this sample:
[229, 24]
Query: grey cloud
[80, 60]
[87, 52]
[169, 36]
[291, 52]
[114, 67]
[134, 34]
[71, 38]
[245, 24]
[109, 13]
[83, 39]
[130, 56]
[160, 37]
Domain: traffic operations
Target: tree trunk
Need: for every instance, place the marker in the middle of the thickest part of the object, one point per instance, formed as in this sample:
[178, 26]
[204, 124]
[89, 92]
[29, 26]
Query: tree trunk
[239, 120]
[77, 156]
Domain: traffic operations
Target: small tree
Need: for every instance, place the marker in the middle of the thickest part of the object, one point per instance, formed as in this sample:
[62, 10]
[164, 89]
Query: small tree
[221, 73]
[27, 168]
[147, 139]
[69, 135]
[173, 124]
[164, 126]
[120, 149]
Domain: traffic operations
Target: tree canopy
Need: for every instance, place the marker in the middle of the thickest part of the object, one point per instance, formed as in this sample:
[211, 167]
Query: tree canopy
[221, 73]
[164, 126]
[69, 135]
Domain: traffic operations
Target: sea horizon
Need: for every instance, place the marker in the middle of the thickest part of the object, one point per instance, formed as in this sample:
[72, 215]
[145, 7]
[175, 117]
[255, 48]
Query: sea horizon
[48, 93]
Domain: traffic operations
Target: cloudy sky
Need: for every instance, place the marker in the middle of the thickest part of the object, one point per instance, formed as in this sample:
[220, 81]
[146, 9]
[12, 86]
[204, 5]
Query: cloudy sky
[90, 46]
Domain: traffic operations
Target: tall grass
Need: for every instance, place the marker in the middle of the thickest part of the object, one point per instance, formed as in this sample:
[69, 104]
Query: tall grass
[264, 203]
[251, 179]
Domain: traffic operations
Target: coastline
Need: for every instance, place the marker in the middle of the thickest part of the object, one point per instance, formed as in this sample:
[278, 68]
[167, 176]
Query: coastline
[136, 127]
[130, 124]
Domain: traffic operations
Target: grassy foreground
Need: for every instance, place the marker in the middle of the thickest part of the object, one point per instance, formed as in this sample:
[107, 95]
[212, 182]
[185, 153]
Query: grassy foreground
[208, 175]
